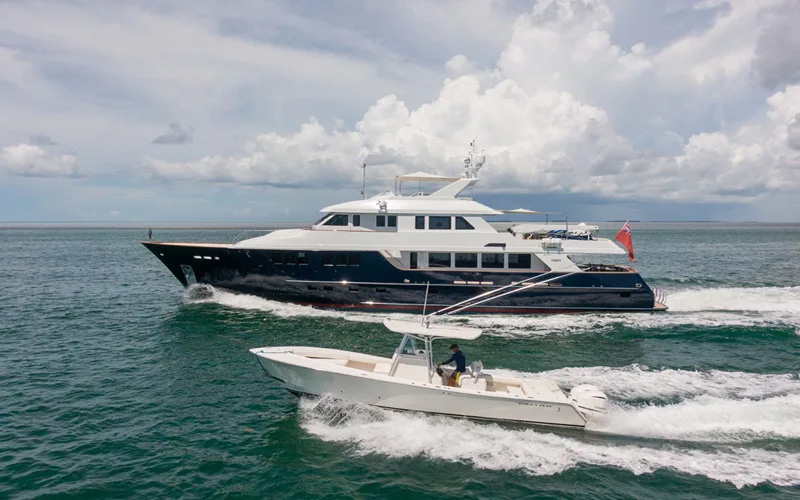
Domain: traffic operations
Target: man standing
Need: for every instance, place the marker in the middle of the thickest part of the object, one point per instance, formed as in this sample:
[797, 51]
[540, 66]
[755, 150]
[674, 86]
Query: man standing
[461, 365]
[149, 233]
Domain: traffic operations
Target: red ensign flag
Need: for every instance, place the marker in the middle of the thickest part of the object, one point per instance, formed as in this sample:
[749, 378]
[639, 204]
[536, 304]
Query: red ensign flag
[624, 237]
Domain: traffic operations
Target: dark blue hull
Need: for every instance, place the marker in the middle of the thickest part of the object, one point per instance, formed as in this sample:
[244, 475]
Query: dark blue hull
[368, 281]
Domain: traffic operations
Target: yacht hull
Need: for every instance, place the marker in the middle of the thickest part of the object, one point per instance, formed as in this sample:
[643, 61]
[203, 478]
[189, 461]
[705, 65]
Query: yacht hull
[389, 393]
[376, 284]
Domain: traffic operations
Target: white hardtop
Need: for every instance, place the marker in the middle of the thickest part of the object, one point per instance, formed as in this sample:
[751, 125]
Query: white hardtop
[391, 203]
[425, 177]
[433, 331]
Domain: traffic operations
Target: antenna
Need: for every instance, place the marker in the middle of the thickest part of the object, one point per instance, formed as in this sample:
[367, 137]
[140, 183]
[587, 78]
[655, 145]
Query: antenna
[364, 181]
[473, 162]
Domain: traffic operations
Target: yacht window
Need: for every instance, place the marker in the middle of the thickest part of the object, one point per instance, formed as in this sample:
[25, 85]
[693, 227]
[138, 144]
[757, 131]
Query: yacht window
[337, 220]
[438, 259]
[419, 222]
[439, 222]
[380, 221]
[354, 259]
[327, 259]
[290, 258]
[302, 258]
[413, 260]
[319, 221]
[409, 347]
[466, 260]
[519, 261]
[356, 220]
[341, 259]
[392, 221]
[461, 223]
[277, 257]
[492, 260]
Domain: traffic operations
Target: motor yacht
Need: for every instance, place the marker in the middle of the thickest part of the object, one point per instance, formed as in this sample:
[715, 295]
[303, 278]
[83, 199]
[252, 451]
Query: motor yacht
[381, 253]
[409, 380]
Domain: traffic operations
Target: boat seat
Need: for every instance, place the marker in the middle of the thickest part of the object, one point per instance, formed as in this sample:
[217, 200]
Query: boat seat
[417, 373]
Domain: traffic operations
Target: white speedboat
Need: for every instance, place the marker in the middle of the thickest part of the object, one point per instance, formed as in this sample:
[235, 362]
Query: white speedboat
[409, 381]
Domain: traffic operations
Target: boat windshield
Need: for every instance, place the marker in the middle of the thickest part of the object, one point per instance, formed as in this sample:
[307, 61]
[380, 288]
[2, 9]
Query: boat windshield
[319, 221]
[409, 346]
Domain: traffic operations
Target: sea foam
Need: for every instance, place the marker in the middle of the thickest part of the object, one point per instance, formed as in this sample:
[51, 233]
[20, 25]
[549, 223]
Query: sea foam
[535, 451]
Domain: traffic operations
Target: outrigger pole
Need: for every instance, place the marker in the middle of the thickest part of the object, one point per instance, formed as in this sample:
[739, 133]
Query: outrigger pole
[491, 295]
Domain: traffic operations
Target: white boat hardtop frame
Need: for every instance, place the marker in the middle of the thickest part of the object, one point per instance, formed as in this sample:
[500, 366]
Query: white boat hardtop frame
[409, 381]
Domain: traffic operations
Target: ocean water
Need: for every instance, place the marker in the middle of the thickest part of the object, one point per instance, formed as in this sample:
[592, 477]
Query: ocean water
[116, 382]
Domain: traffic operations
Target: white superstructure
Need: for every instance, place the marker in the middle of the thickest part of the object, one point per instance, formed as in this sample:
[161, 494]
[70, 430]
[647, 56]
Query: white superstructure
[409, 228]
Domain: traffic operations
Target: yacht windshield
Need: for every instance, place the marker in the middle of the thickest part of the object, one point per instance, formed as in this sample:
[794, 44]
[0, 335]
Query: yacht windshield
[337, 220]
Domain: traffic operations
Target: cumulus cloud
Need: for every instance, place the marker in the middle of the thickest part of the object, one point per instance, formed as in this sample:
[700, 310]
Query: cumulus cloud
[548, 115]
[176, 135]
[33, 161]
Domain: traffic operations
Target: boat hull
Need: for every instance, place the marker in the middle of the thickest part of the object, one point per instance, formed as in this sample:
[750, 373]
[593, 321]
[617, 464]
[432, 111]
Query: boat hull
[387, 392]
[376, 284]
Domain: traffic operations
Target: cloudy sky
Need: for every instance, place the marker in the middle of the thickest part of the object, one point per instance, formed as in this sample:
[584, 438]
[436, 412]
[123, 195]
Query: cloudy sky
[263, 111]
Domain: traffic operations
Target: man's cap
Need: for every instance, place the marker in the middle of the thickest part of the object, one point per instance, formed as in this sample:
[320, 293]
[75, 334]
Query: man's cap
[454, 346]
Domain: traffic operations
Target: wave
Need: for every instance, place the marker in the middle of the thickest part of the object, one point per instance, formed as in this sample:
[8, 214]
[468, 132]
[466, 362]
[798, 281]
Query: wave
[371, 430]
[640, 383]
[710, 307]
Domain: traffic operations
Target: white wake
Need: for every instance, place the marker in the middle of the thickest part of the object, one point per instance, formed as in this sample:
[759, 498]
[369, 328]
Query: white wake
[714, 424]
[537, 452]
[704, 307]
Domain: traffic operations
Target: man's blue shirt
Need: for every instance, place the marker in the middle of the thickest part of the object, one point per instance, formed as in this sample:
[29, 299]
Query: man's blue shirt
[461, 361]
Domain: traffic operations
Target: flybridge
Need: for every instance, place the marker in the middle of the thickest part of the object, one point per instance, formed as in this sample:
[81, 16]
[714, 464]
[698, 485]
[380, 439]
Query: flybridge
[442, 201]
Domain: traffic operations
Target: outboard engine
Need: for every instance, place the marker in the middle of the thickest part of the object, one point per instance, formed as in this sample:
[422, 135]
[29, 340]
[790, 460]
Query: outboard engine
[590, 400]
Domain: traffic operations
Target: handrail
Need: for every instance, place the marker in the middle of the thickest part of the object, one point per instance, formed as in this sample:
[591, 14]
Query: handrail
[246, 234]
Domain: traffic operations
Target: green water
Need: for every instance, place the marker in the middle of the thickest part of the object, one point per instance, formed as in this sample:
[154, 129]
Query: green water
[115, 382]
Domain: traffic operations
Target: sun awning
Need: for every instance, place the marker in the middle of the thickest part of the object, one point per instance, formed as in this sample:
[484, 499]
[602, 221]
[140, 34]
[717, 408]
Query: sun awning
[526, 211]
[439, 331]
[424, 176]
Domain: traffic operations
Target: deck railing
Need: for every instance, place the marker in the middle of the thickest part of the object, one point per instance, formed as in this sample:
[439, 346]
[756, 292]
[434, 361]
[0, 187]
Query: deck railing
[249, 233]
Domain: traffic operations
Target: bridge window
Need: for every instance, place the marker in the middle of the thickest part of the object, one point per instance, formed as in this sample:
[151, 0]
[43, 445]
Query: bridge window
[356, 220]
[391, 221]
[519, 261]
[466, 260]
[337, 220]
[438, 259]
[419, 222]
[380, 221]
[492, 260]
[462, 223]
[439, 222]
[354, 259]
[341, 259]
[302, 258]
